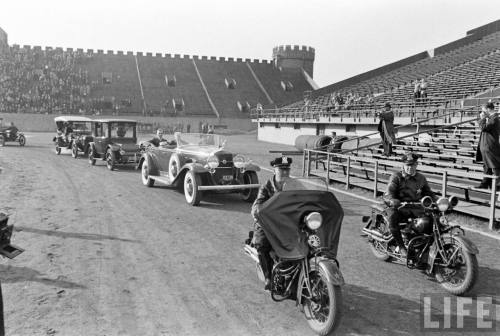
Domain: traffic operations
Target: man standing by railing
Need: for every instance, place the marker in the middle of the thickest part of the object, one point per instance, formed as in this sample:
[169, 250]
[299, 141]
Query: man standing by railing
[488, 149]
[386, 129]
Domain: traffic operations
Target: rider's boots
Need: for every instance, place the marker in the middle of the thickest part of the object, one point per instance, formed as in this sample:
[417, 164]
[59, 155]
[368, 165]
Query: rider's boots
[266, 265]
[399, 241]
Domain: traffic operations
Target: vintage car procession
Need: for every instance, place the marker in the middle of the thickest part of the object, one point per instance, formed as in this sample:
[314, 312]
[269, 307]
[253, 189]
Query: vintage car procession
[197, 163]
[73, 132]
[114, 141]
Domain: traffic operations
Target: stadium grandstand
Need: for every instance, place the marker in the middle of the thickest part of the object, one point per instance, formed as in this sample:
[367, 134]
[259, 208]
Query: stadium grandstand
[36, 80]
[336, 126]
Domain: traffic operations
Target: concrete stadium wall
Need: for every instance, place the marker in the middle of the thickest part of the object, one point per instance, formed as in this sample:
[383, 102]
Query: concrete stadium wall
[45, 122]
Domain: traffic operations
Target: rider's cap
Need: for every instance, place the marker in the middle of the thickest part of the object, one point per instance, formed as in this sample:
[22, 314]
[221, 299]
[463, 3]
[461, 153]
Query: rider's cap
[282, 162]
[387, 104]
[490, 106]
[410, 158]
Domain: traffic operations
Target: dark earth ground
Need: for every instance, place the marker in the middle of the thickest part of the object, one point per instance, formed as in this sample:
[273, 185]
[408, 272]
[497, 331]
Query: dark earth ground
[107, 256]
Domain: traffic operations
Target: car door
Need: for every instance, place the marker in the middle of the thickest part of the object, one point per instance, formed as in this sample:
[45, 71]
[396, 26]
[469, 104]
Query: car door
[99, 139]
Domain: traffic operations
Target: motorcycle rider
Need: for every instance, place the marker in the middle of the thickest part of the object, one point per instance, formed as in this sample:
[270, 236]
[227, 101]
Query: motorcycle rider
[281, 167]
[408, 185]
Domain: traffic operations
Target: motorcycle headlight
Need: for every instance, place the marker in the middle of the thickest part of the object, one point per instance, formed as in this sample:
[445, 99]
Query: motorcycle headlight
[239, 161]
[453, 201]
[443, 204]
[314, 220]
[213, 161]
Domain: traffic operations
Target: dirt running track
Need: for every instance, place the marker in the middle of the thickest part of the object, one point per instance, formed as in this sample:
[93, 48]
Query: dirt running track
[106, 255]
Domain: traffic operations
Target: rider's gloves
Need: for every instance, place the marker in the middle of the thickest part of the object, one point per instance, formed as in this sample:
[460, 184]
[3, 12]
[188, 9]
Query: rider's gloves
[395, 203]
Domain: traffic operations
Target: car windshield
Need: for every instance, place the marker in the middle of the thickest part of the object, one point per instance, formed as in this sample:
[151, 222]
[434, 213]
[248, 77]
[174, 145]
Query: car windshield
[122, 130]
[81, 126]
[199, 139]
[305, 184]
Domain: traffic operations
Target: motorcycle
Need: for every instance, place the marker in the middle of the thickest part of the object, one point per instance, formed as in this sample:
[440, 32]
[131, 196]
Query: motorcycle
[303, 228]
[7, 250]
[433, 245]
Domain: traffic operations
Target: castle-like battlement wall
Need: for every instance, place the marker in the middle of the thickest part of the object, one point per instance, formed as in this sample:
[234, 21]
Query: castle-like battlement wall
[143, 54]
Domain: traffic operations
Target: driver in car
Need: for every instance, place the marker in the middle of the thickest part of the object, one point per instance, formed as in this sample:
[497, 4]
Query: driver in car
[11, 131]
[407, 185]
[281, 167]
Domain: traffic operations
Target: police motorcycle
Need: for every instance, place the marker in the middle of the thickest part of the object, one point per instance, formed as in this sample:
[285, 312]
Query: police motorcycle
[302, 224]
[7, 250]
[433, 244]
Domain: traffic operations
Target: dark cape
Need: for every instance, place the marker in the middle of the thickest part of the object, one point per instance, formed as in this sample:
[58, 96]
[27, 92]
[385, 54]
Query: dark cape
[282, 215]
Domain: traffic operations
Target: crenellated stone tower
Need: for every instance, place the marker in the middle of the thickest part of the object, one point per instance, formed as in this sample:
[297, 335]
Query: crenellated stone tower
[294, 57]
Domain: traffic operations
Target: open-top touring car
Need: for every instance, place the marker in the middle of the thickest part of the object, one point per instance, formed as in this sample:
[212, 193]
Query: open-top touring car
[198, 163]
[73, 132]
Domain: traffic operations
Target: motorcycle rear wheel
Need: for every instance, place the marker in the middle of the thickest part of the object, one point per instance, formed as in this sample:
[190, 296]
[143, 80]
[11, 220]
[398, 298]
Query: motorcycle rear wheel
[324, 311]
[449, 277]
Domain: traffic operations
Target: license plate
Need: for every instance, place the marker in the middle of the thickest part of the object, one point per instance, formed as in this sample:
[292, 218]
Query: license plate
[227, 177]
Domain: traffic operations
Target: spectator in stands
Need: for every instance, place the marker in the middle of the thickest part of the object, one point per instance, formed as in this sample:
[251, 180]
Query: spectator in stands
[416, 91]
[188, 128]
[488, 149]
[386, 129]
[210, 129]
[423, 90]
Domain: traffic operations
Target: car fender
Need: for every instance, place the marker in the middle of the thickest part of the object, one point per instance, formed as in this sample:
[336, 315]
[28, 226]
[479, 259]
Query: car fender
[153, 168]
[250, 166]
[330, 268]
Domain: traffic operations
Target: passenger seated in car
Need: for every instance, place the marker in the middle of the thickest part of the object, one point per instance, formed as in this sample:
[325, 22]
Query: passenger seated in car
[68, 130]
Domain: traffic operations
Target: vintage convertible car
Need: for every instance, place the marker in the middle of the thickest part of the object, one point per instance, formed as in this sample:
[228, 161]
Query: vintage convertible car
[114, 141]
[197, 163]
[73, 132]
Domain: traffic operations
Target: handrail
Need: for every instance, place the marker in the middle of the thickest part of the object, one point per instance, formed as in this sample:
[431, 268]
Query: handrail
[412, 123]
[306, 170]
[413, 134]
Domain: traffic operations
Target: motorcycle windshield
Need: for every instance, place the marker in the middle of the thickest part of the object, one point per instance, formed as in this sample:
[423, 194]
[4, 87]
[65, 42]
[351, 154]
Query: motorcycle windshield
[282, 218]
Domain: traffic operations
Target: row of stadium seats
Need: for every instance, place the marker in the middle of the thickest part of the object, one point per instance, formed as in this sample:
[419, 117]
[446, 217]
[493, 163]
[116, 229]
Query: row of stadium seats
[98, 83]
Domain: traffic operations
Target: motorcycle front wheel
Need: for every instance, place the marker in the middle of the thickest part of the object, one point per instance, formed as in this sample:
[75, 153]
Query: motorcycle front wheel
[461, 275]
[379, 249]
[324, 309]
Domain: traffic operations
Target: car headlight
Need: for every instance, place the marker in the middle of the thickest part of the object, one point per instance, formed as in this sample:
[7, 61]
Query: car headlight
[314, 220]
[239, 161]
[213, 161]
[443, 204]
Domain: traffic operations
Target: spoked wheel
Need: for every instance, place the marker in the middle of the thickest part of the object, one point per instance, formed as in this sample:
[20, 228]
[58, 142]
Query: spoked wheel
[249, 195]
[379, 249]
[461, 275]
[110, 159]
[22, 140]
[58, 150]
[191, 192]
[324, 309]
[91, 157]
[74, 151]
[146, 180]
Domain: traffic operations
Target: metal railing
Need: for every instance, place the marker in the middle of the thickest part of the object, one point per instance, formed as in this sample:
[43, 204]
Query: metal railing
[334, 158]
